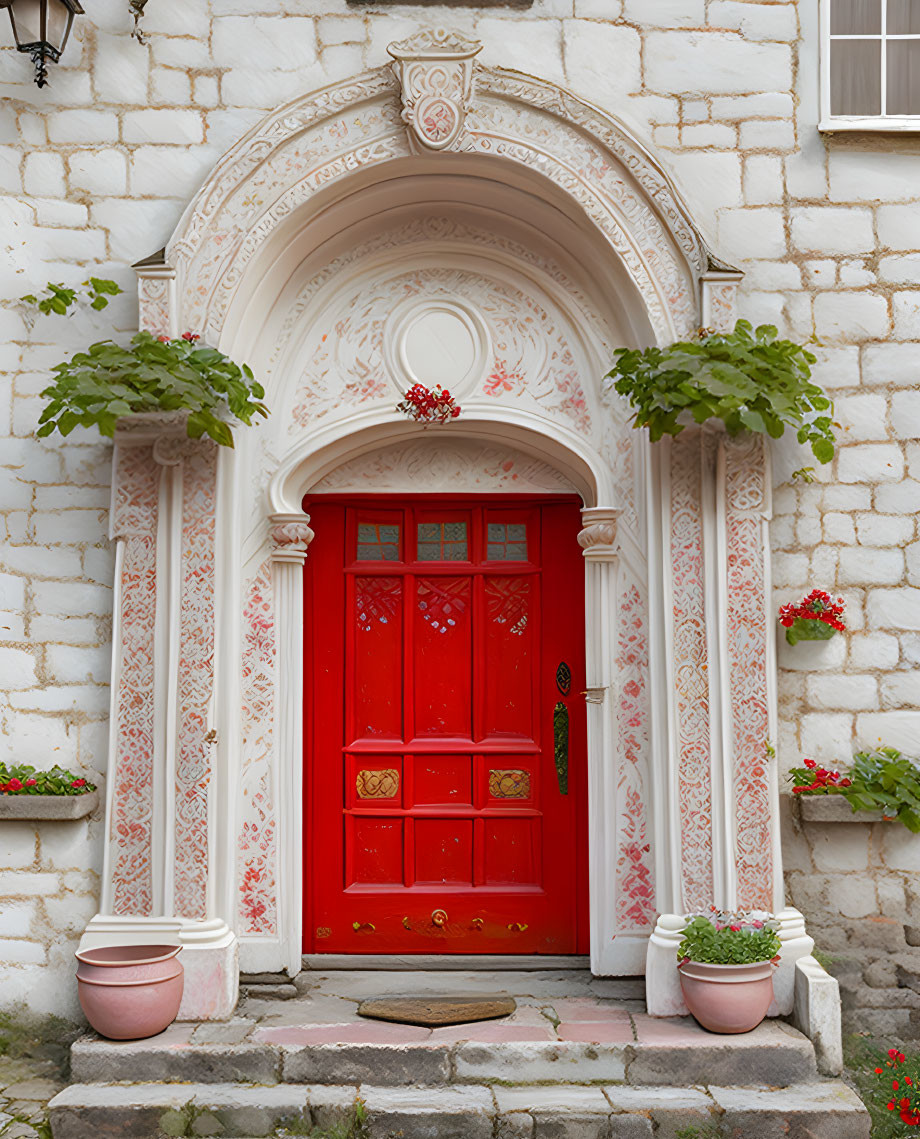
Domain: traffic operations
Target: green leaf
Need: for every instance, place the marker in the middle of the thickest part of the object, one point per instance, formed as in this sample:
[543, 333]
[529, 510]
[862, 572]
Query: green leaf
[823, 450]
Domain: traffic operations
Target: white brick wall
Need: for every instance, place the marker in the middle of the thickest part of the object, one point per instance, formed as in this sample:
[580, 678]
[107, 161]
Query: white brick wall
[96, 169]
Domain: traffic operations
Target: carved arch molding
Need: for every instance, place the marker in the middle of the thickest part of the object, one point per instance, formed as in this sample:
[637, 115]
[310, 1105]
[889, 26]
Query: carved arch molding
[212, 549]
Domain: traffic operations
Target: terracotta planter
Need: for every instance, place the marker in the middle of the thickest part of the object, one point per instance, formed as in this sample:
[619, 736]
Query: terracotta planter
[129, 992]
[727, 998]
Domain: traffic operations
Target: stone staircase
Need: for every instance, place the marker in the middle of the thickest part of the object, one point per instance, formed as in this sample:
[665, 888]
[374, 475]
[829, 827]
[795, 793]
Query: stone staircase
[568, 1064]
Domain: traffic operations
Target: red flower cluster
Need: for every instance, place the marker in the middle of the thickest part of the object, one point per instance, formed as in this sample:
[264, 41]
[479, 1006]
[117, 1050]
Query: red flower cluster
[824, 780]
[817, 606]
[190, 336]
[429, 405]
[16, 785]
[908, 1111]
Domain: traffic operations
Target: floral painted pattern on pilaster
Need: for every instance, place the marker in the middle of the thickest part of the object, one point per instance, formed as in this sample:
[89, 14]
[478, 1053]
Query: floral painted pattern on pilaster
[153, 299]
[746, 621]
[690, 670]
[635, 885]
[195, 680]
[134, 524]
[257, 854]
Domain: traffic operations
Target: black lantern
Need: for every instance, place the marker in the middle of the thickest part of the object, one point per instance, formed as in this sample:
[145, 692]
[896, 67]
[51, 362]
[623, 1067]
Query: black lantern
[41, 28]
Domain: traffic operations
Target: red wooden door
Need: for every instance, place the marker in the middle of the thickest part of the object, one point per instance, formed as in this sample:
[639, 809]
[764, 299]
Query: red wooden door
[445, 727]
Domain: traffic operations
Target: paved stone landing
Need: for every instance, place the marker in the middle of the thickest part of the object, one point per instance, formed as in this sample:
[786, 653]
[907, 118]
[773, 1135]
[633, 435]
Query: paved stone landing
[578, 1057]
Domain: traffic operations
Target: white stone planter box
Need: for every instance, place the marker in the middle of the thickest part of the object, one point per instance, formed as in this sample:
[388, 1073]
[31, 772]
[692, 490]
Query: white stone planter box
[49, 807]
[834, 809]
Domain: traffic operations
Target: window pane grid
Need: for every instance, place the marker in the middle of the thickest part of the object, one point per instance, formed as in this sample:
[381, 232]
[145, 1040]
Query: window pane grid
[506, 542]
[864, 84]
[442, 542]
[378, 542]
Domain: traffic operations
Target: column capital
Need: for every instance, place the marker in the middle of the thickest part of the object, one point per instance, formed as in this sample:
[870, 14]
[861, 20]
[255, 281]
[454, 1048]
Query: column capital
[290, 536]
[598, 537]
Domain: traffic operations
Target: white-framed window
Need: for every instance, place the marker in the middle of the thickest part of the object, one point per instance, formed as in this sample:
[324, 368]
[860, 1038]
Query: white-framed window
[870, 65]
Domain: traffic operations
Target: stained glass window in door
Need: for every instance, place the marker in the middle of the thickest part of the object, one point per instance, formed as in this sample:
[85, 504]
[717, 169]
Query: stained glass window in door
[378, 542]
[507, 542]
[442, 542]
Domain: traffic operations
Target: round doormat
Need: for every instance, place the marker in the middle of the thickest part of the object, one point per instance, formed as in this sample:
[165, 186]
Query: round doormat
[436, 1012]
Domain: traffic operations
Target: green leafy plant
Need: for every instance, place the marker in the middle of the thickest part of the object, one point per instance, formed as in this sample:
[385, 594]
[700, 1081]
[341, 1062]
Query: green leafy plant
[21, 779]
[96, 388]
[880, 780]
[156, 373]
[58, 300]
[749, 378]
[888, 1083]
[725, 938]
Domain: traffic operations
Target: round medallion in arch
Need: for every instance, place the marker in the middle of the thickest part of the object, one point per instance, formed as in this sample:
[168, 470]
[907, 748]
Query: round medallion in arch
[437, 341]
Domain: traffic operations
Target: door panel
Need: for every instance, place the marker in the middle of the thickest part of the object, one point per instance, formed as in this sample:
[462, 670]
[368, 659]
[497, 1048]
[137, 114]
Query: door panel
[436, 818]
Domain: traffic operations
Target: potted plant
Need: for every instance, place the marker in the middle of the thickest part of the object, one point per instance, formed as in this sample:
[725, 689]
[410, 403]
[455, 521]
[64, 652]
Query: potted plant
[749, 378]
[725, 962]
[54, 794]
[882, 785]
[816, 617]
[108, 381]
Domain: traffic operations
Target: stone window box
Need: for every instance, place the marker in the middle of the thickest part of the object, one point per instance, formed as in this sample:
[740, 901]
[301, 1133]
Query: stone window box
[49, 807]
[833, 809]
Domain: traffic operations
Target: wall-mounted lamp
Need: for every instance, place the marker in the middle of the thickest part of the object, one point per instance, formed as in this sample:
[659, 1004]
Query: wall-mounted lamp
[41, 28]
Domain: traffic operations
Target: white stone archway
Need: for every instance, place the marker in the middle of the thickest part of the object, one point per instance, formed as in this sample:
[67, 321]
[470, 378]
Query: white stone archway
[315, 242]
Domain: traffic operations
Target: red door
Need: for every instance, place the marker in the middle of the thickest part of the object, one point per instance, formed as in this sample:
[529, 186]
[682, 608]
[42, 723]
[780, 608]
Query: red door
[445, 727]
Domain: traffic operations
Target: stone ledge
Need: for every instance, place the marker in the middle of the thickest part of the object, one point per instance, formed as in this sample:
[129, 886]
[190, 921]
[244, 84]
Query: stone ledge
[833, 809]
[48, 807]
[823, 1110]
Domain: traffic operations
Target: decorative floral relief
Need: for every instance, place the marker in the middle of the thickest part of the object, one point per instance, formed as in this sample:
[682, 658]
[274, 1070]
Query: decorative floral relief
[195, 681]
[285, 161]
[378, 600]
[445, 465]
[135, 524]
[509, 783]
[508, 602]
[348, 366]
[371, 783]
[257, 854]
[443, 601]
[635, 885]
[746, 620]
[691, 673]
[438, 229]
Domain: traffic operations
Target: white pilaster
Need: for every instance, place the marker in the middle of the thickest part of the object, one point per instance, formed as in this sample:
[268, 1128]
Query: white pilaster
[157, 864]
[610, 954]
[291, 536]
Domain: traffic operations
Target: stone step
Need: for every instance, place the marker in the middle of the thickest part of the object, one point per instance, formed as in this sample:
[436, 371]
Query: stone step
[637, 1051]
[820, 1110]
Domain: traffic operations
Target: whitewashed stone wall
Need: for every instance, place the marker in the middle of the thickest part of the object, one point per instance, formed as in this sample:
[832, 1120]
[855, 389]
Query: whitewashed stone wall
[96, 169]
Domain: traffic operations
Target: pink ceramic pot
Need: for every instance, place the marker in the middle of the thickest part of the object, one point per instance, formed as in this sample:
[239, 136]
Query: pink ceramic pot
[727, 998]
[129, 992]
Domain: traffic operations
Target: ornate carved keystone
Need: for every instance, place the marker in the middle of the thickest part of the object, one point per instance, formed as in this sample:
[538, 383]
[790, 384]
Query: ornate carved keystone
[435, 73]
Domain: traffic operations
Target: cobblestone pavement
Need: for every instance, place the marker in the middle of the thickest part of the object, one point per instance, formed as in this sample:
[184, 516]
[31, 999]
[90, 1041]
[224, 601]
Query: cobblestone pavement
[26, 1086]
[34, 1062]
